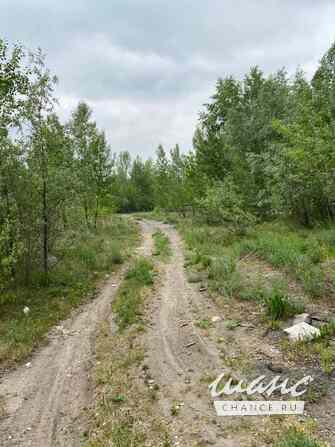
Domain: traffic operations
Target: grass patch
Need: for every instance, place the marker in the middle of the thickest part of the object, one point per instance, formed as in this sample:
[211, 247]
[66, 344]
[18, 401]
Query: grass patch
[162, 245]
[299, 256]
[117, 419]
[204, 324]
[224, 276]
[279, 306]
[128, 304]
[295, 438]
[297, 251]
[83, 259]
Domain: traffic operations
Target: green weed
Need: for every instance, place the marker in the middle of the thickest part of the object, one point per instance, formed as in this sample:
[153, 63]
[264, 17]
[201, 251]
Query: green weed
[295, 438]
[280, 307]
[162, 245]
[128, 304]
[224, 276]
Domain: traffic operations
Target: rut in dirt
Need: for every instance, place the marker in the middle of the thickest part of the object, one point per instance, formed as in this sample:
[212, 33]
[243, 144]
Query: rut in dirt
[179, 357]
[45, 400]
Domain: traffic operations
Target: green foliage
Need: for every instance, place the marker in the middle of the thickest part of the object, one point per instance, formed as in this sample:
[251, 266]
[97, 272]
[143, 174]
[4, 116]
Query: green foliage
[222, 204]
[274, 138]
[279, 306]
[142, 272]
[204, 324]
[71, 282]
[224, 276]
[162, 244]
[299, 255]
[128, 305]
[295, 438]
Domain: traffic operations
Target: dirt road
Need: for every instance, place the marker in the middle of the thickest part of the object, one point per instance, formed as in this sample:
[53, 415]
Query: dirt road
[185, 347]
[181, 360]
[45, 398]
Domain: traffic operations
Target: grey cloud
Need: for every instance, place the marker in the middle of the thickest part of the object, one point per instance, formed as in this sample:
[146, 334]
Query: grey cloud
[147, 66]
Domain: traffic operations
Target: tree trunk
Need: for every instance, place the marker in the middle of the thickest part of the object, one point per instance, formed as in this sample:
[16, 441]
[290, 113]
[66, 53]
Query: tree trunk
[45, 228]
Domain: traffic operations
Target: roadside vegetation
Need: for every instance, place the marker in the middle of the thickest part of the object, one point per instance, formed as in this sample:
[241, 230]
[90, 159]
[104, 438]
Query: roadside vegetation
[295, 438]
[162, 245]
[129, 302]
[83, 260]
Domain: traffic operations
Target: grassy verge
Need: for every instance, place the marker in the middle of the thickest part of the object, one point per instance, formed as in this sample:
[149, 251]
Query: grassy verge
[83, 260]
[300, 253]
[128, 304]
[162, 245]
[124, 414]
[320, 351]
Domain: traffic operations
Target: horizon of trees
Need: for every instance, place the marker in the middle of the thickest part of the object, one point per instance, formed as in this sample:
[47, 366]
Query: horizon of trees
[263, 148]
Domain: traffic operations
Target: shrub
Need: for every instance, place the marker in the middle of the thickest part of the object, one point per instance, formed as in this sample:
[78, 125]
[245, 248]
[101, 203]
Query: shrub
[142, 272]
[295, 438]
[224, 204]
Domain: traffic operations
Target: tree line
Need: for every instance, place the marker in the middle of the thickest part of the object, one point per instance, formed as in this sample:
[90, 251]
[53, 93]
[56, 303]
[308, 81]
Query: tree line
[263, 148]
[53, 176]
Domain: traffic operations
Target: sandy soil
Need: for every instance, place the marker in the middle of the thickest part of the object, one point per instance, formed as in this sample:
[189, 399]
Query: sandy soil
[46, 398]
[179, 357]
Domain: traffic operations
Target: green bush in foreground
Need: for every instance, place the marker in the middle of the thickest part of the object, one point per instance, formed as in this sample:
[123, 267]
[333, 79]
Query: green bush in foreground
[294, 438]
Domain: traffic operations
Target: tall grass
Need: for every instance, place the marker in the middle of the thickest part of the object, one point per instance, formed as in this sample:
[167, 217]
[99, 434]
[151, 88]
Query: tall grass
[299, 256]
[279, 306]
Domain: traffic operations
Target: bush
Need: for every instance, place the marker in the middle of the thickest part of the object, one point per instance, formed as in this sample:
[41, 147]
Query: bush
[295, 438]
[224, 204]
[142, 272]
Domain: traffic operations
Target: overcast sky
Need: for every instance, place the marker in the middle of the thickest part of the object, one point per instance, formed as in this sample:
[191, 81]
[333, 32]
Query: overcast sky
[147, 66]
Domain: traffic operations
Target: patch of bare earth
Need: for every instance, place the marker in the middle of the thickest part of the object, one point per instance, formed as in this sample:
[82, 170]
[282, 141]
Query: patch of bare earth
[45, 400]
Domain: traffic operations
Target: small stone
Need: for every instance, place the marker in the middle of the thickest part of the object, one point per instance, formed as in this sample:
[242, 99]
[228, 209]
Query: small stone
[216, 319]
[302, 331]
[28, 365]
[26, 310]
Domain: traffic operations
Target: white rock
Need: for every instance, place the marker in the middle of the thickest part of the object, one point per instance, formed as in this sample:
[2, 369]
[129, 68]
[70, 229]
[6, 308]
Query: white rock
[302, 331]
[26, 310]
[302, 318]
[216, 319]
